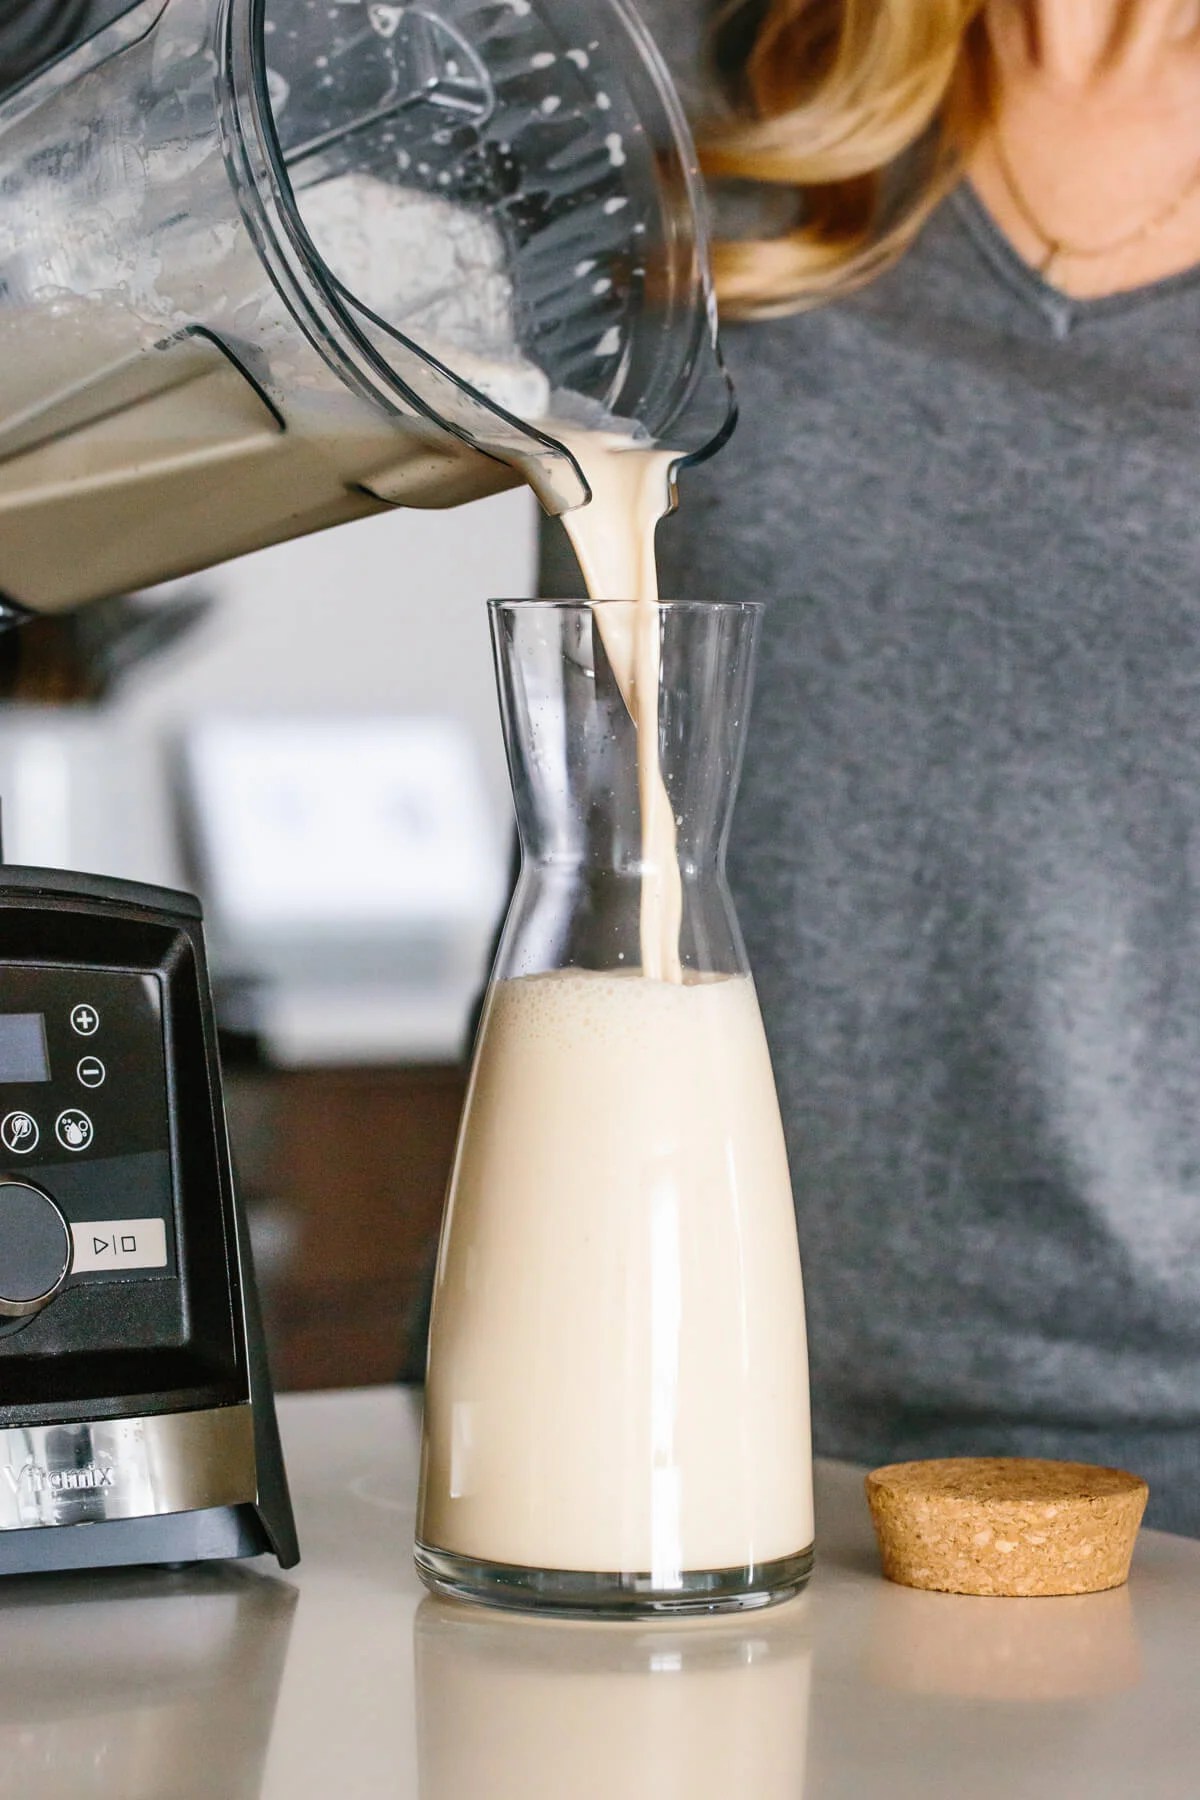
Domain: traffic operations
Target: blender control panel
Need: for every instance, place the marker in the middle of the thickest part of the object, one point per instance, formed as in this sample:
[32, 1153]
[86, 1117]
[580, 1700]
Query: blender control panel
[86, 1192]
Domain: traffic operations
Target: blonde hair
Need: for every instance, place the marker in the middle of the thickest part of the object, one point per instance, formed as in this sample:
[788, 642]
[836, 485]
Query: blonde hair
[865, 110]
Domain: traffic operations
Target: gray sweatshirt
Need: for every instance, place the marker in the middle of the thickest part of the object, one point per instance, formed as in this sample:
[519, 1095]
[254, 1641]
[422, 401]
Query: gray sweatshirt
[967, 850]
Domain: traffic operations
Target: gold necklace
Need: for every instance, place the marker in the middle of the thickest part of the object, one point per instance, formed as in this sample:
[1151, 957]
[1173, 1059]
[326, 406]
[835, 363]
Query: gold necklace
[1059, 247]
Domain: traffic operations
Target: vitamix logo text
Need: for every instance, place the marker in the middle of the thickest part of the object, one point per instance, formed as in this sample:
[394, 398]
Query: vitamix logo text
[35, 1478]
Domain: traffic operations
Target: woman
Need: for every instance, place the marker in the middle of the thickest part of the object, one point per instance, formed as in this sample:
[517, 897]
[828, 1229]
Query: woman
[967, 854]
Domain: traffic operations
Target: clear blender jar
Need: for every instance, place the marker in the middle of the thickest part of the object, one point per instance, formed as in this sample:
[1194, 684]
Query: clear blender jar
[268, 265]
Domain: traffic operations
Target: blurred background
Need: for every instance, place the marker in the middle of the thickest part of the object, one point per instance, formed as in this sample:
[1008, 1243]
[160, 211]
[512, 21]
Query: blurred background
[309, 739]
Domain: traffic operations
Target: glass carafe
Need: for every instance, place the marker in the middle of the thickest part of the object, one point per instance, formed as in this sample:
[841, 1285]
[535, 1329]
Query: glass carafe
[269, 265]
[617, 1403]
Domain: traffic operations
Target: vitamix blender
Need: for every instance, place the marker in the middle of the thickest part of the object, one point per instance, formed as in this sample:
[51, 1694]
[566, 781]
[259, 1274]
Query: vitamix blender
[266, 266]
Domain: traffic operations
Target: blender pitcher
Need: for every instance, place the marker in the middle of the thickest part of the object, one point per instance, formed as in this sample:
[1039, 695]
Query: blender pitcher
[268, 265]
[617, 1415]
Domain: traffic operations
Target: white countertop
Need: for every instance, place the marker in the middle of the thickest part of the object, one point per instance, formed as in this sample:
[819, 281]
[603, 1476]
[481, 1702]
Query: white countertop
[343, 1680]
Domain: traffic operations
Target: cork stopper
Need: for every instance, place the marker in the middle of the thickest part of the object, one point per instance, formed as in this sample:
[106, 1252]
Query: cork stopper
[1006, 1525]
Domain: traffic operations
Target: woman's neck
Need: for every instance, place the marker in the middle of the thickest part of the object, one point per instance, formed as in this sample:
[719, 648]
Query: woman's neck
[1091, 163]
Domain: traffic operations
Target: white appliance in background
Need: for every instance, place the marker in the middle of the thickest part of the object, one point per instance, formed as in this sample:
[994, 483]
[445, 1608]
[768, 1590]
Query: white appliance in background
[353, 874]
[64, 792]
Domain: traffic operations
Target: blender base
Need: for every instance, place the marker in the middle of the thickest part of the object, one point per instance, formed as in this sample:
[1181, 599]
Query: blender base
[580, 1593]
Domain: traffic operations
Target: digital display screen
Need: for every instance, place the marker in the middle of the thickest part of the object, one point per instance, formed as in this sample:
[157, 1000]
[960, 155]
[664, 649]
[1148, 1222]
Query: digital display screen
[23, 1055]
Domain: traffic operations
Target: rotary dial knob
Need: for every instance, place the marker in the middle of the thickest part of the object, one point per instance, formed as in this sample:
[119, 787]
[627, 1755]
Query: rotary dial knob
[35, 1250]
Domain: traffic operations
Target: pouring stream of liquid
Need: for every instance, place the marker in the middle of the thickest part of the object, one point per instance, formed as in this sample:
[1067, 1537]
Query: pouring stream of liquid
[613, 538]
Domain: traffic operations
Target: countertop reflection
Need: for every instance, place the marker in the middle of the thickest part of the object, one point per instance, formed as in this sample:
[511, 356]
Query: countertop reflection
[510, 1707]
[147, 1683]
[341, 1678]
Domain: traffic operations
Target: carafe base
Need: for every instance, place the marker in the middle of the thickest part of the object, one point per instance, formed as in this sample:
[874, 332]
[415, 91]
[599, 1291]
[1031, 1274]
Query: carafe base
[580, 1593]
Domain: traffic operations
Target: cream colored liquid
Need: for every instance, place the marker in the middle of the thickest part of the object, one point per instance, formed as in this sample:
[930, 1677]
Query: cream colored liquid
[613, 538]
[618, 1376]
[618, 1370]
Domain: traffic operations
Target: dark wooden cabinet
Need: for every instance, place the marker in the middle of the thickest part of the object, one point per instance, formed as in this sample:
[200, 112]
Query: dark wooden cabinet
[344, 1173]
